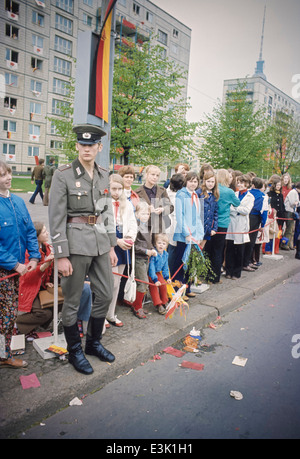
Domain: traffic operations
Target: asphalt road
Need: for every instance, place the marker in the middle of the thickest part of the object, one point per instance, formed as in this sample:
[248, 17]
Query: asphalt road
[161, 400]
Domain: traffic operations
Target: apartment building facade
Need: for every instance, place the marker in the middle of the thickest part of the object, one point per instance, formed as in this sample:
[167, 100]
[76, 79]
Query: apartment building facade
[37, 60]
[264, 94]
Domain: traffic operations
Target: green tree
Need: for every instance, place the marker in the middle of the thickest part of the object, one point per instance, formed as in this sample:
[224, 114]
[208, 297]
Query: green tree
[286, 143]
[237, 134]
[148, 122]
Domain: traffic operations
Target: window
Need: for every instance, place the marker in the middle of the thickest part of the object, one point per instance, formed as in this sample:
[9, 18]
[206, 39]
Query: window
[37, 41]
[62, 45]
[10, 102]
[123, 2]
[88, 2]
[11, 31]
[11, 80]
[12, 6]
[57, 144]
[38, 19]
[36, 86]
[33, 151]
[270, 100]
[59, 107]
[34, 129]
[35, 108]
[62, 66]
[10, 126]
[149, 17]
[11, 55]
[87, 20]
[136, 8]
[9, 149]
[66, 5]
[60, 87]
[36, 64]
[53, 129]
[162, 37]
[175, 33]
[63, 24]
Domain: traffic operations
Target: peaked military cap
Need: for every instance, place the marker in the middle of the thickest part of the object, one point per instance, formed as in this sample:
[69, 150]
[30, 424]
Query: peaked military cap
[88, 134]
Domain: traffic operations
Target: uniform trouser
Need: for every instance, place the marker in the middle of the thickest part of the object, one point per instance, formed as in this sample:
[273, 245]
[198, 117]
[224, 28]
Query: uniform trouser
[99, 270]
[46, 196]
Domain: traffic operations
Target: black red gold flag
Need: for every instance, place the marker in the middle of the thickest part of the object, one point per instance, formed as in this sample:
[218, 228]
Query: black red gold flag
[99, 84]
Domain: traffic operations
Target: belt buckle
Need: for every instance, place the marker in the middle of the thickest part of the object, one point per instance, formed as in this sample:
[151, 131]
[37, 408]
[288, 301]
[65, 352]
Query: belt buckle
[92, 219]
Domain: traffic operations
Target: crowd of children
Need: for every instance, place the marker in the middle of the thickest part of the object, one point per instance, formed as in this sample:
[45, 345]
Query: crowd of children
[231, 216]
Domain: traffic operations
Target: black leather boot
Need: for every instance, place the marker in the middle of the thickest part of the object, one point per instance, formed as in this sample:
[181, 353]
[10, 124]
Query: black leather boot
[92, 345]
[76, 356]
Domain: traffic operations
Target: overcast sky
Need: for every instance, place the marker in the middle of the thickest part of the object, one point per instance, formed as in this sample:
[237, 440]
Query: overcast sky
[226, 36]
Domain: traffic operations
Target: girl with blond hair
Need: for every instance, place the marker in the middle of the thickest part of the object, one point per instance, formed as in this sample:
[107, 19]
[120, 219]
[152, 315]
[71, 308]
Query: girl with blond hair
[126, 231]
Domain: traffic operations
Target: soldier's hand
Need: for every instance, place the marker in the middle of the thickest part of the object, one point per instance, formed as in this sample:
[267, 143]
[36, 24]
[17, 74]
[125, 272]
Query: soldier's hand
[113, 257]
[65, 267]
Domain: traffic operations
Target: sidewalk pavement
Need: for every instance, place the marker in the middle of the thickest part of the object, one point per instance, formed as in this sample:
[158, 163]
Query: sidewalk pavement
[136, 342]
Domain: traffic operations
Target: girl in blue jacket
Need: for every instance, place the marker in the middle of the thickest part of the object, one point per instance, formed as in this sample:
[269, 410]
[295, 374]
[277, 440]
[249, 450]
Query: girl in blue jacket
[189, 224]
[209, 192]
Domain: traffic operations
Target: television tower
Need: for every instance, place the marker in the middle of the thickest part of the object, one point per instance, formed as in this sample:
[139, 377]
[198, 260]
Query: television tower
[259, 70]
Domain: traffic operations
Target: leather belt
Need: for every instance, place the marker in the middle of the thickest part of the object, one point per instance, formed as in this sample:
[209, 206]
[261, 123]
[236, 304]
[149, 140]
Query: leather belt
[90, 219]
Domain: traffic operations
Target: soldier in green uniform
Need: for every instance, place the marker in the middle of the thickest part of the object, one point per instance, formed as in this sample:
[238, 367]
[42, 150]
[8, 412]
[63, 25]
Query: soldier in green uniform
[83, 237]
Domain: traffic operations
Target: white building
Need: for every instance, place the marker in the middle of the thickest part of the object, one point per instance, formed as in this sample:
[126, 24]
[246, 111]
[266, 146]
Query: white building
[39, 41]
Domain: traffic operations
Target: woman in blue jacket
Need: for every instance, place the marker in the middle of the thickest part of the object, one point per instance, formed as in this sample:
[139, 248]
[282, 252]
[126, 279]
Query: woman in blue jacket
[17, 234]
[189, 224]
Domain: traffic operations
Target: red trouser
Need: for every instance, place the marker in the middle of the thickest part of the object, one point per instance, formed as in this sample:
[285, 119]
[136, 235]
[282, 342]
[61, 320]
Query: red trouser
[158, 294]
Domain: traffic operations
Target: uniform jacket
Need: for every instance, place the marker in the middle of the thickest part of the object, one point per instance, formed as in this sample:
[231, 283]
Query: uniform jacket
[73, 194]
[17, 233]
[47, 174]
[159, 264]
[158, 223]
[210, 213]
[189, 217]
[31, 283]
[239, 220]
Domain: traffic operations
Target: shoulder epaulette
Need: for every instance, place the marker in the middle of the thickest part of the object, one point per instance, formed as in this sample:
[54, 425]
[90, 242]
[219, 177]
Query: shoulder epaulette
[64, 167]
[102, 169]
